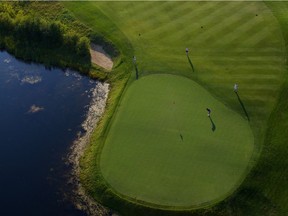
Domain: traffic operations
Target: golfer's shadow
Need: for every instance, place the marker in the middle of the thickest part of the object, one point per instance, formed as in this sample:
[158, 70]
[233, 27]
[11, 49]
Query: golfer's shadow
[137, 72]
[213, 126]
[181, 136]
[242, 105]
[190, 62]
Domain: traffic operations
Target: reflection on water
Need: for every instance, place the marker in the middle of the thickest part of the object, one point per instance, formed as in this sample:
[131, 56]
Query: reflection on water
[41, 112]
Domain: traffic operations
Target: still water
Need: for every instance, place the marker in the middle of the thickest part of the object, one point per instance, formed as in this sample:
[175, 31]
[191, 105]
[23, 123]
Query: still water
[41, 112]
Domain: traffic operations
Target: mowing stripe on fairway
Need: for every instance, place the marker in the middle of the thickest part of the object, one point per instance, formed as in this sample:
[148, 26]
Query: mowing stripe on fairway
[228, 44]
[232, 42]
[163, 149]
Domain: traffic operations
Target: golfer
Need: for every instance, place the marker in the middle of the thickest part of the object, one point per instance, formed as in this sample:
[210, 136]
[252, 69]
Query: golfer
[134, 59]
[235, 87]
[209, 111]
[187, 50]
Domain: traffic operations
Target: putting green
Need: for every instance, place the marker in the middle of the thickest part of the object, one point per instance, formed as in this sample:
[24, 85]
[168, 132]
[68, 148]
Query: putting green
[163, 149]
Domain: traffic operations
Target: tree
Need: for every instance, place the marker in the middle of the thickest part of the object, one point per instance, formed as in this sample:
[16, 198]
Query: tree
[83, 47]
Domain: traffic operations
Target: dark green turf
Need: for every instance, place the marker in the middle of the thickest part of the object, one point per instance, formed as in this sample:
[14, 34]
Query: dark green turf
[240, 42]
[163, 149]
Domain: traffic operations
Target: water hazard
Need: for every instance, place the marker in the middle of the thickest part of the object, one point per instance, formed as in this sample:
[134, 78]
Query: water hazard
[41, 112]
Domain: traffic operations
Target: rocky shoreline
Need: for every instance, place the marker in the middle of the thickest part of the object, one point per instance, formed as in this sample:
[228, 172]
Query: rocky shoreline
[79, 198]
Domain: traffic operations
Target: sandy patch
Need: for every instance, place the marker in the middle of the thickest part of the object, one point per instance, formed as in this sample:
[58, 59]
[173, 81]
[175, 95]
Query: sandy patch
[100, 57]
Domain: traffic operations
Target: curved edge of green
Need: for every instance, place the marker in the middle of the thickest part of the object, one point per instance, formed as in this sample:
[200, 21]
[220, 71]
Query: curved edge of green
[91, 179]
[189, 207]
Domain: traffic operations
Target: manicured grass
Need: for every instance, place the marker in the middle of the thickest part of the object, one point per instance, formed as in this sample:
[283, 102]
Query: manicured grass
[234, 45]
[163, 149]
[229, 42]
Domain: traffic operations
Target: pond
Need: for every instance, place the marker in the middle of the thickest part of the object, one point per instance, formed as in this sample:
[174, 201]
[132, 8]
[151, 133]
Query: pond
[41, 112]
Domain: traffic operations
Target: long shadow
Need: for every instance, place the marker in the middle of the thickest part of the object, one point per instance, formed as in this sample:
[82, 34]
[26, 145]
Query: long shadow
[137, 73]
[181, 137]
[242, 105]
[212, 124]
[190, 62]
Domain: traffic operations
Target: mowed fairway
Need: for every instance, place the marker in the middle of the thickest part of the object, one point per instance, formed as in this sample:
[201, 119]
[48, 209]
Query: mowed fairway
[163, 149]
[230, 42]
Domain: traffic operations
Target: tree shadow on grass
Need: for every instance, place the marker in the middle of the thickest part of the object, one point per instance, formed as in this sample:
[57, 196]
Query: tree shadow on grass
[242, 105]
[190, 62]
[213, 126]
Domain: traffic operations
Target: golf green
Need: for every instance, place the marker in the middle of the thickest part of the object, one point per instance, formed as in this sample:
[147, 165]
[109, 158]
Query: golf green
[163, 149]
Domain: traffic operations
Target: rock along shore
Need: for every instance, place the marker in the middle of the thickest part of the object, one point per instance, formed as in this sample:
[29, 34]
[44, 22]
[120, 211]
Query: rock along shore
[80, 199]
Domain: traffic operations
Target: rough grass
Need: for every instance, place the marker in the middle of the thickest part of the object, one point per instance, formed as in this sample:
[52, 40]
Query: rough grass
[40, 39]
[54, 11]
[229, 42]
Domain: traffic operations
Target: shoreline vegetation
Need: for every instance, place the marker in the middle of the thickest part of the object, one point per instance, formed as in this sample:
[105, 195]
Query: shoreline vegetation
[96, 109]
[55, 14]
[53, 38]
[33, 36]
[35, 39]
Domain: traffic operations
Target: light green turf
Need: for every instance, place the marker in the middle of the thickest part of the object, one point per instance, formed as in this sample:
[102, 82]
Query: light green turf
[144, 156]
[234, 45]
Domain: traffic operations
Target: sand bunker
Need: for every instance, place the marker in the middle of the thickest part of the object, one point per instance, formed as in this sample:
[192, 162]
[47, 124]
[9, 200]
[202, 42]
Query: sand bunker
[100, 57]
